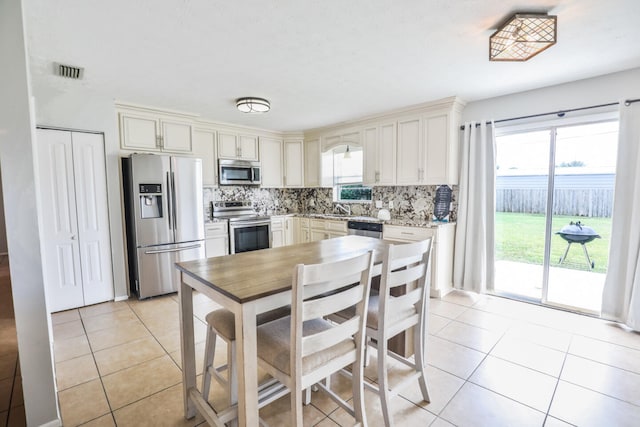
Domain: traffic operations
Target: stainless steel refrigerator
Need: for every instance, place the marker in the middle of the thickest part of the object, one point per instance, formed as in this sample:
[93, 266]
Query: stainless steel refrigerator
[164, 219]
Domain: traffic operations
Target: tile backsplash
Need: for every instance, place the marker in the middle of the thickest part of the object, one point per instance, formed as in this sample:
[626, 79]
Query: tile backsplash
[414, 202]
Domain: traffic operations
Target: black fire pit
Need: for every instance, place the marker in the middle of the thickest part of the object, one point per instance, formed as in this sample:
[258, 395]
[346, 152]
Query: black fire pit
[575, 232]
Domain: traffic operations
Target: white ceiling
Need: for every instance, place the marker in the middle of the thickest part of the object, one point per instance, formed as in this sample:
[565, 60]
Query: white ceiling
[319, 62]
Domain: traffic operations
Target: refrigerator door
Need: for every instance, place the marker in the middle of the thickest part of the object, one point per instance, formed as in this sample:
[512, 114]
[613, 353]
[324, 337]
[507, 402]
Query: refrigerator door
[150, 183]
[157, 272]
[187, 200]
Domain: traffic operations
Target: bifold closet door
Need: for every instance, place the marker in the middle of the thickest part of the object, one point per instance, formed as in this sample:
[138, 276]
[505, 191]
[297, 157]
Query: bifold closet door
[76, 242]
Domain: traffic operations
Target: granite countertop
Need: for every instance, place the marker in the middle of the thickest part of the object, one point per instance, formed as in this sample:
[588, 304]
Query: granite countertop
[405, 222]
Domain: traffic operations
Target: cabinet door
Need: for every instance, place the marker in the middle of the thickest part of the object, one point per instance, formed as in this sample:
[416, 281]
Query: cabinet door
[370, 147]
[227, 145]
[248, 147]
[312, 163]
[204, 144]
[277, 238]
[316, 235]
[176, 136]
[293, 164]
[216, 246]
[409, 163]
[289, 231]
[386, 154]
[437, 149]
[138, 132]
[271, 155]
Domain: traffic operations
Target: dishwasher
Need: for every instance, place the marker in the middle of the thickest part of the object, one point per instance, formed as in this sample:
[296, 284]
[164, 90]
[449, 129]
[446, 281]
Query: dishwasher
[362, 228]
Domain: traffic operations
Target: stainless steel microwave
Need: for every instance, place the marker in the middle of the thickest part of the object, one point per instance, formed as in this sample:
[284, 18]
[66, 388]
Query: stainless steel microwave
[239, 172]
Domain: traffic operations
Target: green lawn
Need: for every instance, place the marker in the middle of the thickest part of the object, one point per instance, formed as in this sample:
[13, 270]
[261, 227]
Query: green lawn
[520, 237]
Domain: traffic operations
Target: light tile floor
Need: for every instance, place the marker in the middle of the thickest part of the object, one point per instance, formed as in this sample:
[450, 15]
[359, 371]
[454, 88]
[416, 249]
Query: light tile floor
[492, 362]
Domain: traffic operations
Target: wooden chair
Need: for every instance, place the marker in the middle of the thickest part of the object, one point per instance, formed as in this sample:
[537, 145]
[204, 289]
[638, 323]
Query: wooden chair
[221, 323]
[403, 264]
[303, 349]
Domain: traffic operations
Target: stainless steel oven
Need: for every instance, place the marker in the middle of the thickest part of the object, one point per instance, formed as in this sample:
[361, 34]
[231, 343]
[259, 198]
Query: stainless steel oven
[248, 231]
[249, 235]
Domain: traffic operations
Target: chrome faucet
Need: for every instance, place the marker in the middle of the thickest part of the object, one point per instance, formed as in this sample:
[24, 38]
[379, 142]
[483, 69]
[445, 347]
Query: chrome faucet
[346, 208]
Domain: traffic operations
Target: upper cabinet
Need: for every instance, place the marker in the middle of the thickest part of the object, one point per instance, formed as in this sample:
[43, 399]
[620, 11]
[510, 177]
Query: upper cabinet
[293, 163]
[237, 146]
[282, 162]
[148, 129]
[379, 145]
[312, 163]
[204, 147]
[272, 168]
[428, 146]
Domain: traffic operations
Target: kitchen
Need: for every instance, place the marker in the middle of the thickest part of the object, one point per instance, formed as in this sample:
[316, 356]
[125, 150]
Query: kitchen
[84, 107]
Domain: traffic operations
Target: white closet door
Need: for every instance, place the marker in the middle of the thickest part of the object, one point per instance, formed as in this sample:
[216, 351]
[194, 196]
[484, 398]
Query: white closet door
[92, 212]
[63, 280]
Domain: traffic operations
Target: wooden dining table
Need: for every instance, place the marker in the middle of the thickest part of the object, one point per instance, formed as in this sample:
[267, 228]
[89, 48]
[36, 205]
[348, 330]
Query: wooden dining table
[248, 284]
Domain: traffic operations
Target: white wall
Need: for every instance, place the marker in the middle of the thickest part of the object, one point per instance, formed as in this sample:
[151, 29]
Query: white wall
[582, 93]
[71, 104]
[18, 180]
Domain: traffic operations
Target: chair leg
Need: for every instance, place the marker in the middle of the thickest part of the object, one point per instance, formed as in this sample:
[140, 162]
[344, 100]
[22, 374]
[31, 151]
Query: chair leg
[307, 396]
[296, 406]
[358, 393]
[232, 379]
[383, 381]
[419, 355]
[209, 352]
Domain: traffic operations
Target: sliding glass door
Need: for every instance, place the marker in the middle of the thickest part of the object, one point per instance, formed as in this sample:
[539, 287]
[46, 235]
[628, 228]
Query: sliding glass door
[554, 194]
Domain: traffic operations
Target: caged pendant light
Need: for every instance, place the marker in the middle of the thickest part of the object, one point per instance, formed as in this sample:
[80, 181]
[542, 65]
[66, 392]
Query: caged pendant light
[523, 36]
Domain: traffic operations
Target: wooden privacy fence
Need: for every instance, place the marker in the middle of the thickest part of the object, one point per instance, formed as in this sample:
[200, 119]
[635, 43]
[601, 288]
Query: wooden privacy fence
[590, 202]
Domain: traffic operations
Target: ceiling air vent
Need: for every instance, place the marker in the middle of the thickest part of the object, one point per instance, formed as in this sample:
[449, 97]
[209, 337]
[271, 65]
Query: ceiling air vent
[69, 71]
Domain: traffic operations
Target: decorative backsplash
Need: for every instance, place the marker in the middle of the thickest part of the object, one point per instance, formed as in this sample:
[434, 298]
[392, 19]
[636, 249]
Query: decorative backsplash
[414, 202]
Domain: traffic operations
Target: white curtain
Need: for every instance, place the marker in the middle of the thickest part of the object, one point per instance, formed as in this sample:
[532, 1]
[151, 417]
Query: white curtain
[621, 295]
[474, 251]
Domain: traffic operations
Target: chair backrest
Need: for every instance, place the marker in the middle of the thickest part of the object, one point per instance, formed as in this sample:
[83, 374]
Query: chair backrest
[404, 264]
[320, 290]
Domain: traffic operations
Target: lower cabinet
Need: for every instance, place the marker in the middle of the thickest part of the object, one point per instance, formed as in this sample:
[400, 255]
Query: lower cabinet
[302, 234]
[320, 229]
[282, 231]
[441, 252]
[216, 241]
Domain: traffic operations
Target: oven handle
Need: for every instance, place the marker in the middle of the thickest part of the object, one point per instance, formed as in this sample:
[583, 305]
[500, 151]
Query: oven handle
[248, 223]
[183, 248]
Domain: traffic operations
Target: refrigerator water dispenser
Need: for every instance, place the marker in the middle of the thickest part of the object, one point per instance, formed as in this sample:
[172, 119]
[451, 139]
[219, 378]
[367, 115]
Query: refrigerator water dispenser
[150, 206]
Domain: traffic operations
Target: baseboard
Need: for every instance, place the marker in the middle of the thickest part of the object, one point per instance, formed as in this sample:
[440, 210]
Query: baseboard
[121, 298]
[53, 423]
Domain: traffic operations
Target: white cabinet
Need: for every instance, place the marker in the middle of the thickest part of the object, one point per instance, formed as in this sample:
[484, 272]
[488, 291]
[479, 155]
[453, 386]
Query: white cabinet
[72, 187]
[237, 146]
[282, 163]
[282, 232]
[409, 155]
[216, 241]
[320, 229]
[379, 145]
[204, 147]
[303, 234]
[155, 130]
[441, 147]
[293, 163]
[441, 252]
[312, 165]
[271, 161]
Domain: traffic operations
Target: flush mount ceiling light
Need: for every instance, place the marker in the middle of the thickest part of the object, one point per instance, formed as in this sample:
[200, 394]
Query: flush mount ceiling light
[253, 105]
[522, 37]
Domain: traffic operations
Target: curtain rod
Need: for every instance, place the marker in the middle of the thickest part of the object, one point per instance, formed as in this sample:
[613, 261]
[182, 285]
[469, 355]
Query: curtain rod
[560, 113]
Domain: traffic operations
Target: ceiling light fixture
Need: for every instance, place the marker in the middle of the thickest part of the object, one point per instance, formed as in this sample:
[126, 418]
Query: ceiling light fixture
[253, 105]
[347, 153]
[522, 37]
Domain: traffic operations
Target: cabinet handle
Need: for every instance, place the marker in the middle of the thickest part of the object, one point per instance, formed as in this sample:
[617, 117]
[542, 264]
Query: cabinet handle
[284, 181]
[377, 176]
[406, 233]
[159, 141]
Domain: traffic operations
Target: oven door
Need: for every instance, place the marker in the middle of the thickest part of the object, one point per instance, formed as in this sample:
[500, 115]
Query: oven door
[249, 236]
